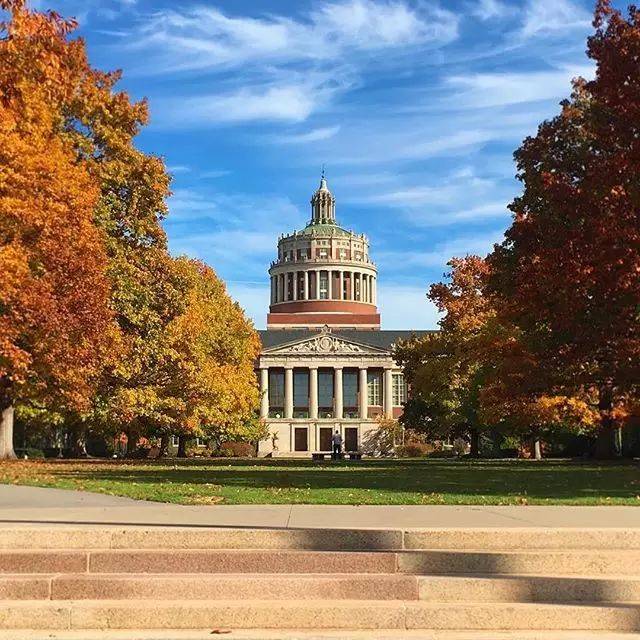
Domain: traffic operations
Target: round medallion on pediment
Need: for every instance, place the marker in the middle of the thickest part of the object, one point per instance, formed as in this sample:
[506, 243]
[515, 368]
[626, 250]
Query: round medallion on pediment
[325, 343]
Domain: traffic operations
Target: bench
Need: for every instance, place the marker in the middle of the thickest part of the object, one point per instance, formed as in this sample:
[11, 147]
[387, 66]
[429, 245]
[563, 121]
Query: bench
[318, 456]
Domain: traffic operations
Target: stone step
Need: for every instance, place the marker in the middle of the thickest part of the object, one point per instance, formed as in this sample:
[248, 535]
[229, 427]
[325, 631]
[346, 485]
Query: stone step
[209, 587]
[539, 562]
[328, 634]
[504, 539]
[315, 614]
[555, 589]
[550, 589]
[578, 562]
[196, 561]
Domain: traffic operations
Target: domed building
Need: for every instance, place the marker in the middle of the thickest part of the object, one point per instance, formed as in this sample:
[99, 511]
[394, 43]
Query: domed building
[325, 363]
[323, 275]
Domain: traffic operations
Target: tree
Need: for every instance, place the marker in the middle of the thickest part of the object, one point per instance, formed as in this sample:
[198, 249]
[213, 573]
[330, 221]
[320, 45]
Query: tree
[100, 124]
[211, 349]
[55, 324]
[567, 272]
[445, 370]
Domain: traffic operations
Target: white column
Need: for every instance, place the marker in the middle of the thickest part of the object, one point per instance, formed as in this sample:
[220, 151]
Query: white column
[317, 272]
[337, 392]
[364, 400]
[388, 396]
[288, 392]
[275, 288]
[374, 290]
[341, 295]
[306, 286]
[295, 285]
[366, 287]
[352, 284]
[330, 283]
[313, 393]
[281, 288]
[264, 390]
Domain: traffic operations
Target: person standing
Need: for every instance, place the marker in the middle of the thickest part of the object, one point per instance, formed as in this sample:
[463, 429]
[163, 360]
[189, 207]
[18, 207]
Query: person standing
[336, 441]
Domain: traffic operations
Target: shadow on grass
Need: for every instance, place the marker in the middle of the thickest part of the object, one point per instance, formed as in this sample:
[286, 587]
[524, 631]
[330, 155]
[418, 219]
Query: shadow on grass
[546, 480]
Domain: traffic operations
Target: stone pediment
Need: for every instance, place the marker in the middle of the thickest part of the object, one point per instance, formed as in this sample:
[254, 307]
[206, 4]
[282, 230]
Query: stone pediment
[324, 344]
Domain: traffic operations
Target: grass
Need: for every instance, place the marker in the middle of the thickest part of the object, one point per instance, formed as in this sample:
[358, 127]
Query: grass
[369, 482]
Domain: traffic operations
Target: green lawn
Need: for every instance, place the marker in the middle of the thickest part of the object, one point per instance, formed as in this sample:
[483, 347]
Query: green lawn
[370, 482]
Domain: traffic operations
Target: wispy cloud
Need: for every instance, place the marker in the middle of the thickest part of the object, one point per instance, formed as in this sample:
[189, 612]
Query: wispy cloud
[481, 90]
[488, 9]
[205, 37]
[553, 17]
[292, 103]
[315, 135]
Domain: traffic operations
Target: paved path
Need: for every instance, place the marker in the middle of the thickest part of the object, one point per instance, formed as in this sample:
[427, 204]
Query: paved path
[34, 505]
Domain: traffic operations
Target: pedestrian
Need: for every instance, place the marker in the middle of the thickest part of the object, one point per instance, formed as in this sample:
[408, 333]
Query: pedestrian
[336, 441]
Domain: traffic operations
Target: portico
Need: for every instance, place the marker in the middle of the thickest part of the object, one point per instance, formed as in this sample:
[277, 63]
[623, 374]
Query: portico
[324, 381]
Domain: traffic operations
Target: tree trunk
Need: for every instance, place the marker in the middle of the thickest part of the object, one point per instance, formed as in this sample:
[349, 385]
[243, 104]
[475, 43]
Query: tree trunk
[6, 434]
[537, 449]
[164, 446]
[182, 447]
[132, 443]
[475, 443]
[609, 442]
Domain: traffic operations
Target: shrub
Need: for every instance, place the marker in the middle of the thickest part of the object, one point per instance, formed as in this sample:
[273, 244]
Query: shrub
[413, 450]
[235, 450]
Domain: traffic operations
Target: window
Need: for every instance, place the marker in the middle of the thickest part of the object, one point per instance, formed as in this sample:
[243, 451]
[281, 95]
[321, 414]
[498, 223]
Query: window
[300, 393]
[399, 390]
[323, 253]
[276, 393]
[350, 393]
[200, 442]
[325, 394]
[175, 441]
[324, 285]
[374, 384]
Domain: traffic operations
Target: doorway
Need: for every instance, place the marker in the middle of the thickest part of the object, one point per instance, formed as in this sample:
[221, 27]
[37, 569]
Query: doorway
[351, 439]
[325, 439]
[300, 439]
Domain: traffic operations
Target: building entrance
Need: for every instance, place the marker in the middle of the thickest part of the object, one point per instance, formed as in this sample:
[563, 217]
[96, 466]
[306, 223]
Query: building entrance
[300, 439]
[325, 439]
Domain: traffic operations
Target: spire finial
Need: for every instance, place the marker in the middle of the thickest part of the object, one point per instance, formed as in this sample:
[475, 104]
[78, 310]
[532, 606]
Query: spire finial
[322, 176]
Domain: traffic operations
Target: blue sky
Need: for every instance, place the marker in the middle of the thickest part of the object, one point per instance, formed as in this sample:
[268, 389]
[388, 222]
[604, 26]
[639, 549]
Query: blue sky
[414, 106]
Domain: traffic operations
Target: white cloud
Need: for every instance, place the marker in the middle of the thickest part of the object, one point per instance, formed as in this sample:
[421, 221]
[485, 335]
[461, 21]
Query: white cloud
[487, 9]
[178, 168]
[214, 173]
[315, 135]
[482, 90]
[289, 103]
[548, 17]
[441, 253]
[204, 37]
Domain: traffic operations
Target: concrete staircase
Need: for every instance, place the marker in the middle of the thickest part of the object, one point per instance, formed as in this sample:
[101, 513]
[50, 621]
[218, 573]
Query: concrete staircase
[440, 580]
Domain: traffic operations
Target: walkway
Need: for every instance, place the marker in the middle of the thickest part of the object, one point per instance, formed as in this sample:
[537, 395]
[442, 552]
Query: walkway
[33, 505]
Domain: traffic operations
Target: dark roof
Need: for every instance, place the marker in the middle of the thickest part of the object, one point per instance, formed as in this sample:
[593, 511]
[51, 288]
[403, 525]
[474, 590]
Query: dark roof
[375, 338]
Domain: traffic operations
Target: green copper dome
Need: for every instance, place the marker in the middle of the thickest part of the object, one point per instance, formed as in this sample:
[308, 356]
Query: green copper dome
[323, 229]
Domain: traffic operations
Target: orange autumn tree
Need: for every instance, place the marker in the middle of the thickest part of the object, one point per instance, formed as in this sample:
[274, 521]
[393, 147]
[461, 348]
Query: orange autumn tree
[446, 370]
[55, 324]
[568, 272]
[100, 124]
[211, 349]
